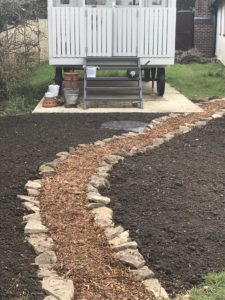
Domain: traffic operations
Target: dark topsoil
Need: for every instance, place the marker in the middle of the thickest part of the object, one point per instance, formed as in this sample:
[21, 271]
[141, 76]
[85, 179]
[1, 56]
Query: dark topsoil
[25, 142]
[172, 200]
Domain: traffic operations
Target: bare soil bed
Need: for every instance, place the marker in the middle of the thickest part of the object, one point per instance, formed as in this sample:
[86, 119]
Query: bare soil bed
[172, 199]
[25, 142]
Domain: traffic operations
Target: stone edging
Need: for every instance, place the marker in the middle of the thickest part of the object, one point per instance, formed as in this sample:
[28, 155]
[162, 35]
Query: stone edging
[125, 249]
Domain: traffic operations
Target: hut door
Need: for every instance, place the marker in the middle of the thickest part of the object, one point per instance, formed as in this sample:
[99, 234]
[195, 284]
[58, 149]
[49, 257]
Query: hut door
[125, 31]
[99, 31]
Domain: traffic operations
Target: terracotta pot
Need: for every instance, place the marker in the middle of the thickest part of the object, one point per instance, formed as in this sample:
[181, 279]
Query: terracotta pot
[71, 76]
[49, 102]
[71, 84]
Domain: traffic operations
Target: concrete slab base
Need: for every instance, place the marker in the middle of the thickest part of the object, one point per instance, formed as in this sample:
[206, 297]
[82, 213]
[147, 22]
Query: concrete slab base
[172, 101]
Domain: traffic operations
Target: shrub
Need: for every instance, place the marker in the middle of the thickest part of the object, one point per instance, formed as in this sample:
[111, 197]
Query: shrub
[191, 56]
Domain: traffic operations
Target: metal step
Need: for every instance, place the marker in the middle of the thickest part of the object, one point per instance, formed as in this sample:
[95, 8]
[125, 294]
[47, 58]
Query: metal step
[113, 63]
[121, 99]
[115, 88]
[112, 79]
[119, 68]
[117, 58]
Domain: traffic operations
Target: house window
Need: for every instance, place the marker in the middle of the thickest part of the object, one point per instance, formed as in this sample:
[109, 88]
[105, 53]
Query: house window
[65, 2]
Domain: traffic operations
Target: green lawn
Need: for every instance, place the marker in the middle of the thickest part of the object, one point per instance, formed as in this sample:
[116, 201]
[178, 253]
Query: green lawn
[198, 81]
[212, 288]
[195, 81]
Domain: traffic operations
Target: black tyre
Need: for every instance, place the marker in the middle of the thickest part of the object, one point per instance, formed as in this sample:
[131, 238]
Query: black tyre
[147, 75]
[161, 81]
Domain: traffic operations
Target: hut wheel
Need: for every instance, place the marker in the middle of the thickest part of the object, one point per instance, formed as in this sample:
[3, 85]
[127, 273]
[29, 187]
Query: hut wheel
[161, 81]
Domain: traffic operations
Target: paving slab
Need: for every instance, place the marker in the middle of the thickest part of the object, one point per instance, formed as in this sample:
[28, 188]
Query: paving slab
[172, 101]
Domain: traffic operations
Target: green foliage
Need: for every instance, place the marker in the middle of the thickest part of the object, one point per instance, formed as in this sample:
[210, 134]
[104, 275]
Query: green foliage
[29, 90]
[212, 288]
[19, 105]
[198, 81]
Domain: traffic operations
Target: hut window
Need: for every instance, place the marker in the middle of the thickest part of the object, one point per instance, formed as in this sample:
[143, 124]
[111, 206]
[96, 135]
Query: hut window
[95, 2]
[156, 2]
[65, 2]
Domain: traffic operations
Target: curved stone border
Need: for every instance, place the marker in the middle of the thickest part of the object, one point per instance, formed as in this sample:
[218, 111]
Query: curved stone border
[37, 236]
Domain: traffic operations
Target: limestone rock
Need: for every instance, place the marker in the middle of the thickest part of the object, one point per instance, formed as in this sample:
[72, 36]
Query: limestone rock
[91, 189]
[29, 199]
[105, 169]
[201, 123]
[93, 205]
[131, 257]
[156, 121]
[103, 164]
[163, 119]
[35, 226]
[124, 246]
[46, 170]
[60, 154]
[31, 207]
[150, 147]
[103, 174]
[50, 298]
[169, 136]
[35, 216]
[82, 145]
[44, 271]
[184, 129]
[123, 153]
[53, 164]
[154, 286]
[131, 134]
[107, 140]
[99, 143]
[151, 126]
[46, 258]
[143, 273]
[157, 142]
[33, 192]
[60, 288]
[41, 243]
[103, 212]
[99, 182]
[133, 151]
[103, 216]
[216, 116]
[71, 150]
[120, 239]
[112, 232]
[33, 184]
[97, 198]
[113, 159]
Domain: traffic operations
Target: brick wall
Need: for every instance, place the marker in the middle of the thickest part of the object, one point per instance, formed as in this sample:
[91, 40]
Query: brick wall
[204, 28]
